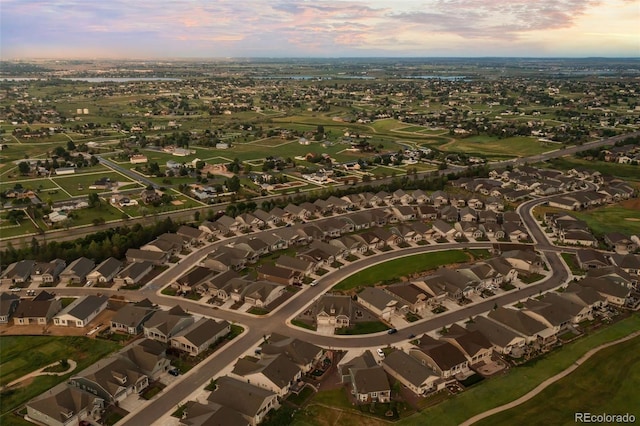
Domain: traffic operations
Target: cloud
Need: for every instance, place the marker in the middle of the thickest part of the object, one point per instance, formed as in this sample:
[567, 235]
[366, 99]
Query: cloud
[294, 27]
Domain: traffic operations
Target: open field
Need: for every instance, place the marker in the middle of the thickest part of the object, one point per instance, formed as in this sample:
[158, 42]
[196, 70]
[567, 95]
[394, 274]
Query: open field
[394, 269]
[605, 383]
[520, 380]
[78, 185]
[23, 354]
[489, 146]
[623, 217]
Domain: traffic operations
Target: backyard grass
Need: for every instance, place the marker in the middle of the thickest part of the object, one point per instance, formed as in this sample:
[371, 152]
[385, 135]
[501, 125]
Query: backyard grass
[605, 383]
[572, 263]
[23, 354]
[394, 269]
[520, 380]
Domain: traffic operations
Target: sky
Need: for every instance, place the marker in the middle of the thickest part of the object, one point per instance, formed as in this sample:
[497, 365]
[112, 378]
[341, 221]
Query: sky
[146, 29]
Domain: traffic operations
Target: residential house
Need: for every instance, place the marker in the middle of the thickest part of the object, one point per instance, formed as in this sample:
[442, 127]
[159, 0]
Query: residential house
[18, 273]
[275, 373]
[334, 311]
[150, 356]
[411, 298]
[620, 243]
[38, 310]
[277, 274]
[444, 230]
[523, 324]
[378, 301]
[614, 292]
[504, 339]
[448, 213]
[579, 238]
[416, 376]
[163, 325]
[293, 263]
[369, 382]
[197, 337]
[133, 273]
[132, 316]
[62, 406]
[591, 259]
[473, 344]
[427, 212]
[370, 385]
[196, 413]
[190, 280]
[146, 256]
[47, 273]
[192, 235]
[254, 404]
[524, 260]
[303, 354]
[8, 305]
[440, 356]
[81, 311]
[106, 271]
[261, 293]
[251, 221]
[452, 284]
[252, 245]
[112, 379]
[404, 213]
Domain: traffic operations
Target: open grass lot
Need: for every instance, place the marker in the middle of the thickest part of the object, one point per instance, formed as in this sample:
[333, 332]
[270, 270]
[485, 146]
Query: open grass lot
[23, 354]
[624, 171]
[11, 229]
[78, 185]
[520, 380]
[605, 383]
[104, 211]
[623, 217]
[519, 146]
[394, 269]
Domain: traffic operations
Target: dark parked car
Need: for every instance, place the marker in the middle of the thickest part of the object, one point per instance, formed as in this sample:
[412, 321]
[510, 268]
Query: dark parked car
[174, 372]
[392, 331]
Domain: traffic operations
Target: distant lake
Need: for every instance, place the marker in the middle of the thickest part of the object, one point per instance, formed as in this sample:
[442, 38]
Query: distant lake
[313, 77]
[437, 77]
[120, 79]
[94, 79]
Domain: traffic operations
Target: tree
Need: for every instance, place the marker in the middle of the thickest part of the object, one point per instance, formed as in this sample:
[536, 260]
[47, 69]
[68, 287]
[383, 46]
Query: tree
[94, 200]
[24, 168]
[71, 146]
[233, 184]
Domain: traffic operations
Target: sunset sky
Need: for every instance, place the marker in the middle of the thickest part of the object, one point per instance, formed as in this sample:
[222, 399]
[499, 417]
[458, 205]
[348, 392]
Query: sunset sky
[319, 28]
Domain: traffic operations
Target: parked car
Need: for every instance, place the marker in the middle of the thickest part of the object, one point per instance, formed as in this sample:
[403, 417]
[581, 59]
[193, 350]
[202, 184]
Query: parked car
[392, 331]
[380, 352]
[174, 372]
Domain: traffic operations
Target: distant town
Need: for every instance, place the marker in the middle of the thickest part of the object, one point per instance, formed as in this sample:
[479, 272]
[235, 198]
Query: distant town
[272, 242]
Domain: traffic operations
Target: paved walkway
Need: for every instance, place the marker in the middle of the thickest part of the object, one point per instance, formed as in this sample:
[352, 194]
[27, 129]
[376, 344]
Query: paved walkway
[41, 372]
[546, 383]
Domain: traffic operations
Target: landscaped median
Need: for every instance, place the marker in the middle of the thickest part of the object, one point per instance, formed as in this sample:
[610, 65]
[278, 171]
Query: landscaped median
[392, 270]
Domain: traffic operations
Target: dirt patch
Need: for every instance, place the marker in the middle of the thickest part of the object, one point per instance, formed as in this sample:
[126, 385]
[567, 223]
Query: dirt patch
[633, 204]
[176, 203]
[632, 219]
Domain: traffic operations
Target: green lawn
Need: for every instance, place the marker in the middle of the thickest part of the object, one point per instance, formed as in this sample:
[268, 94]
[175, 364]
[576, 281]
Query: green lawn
[519, 380]
[605, 383]
[23, 354]
[394, 269]
[614, 218]
[572, 263]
